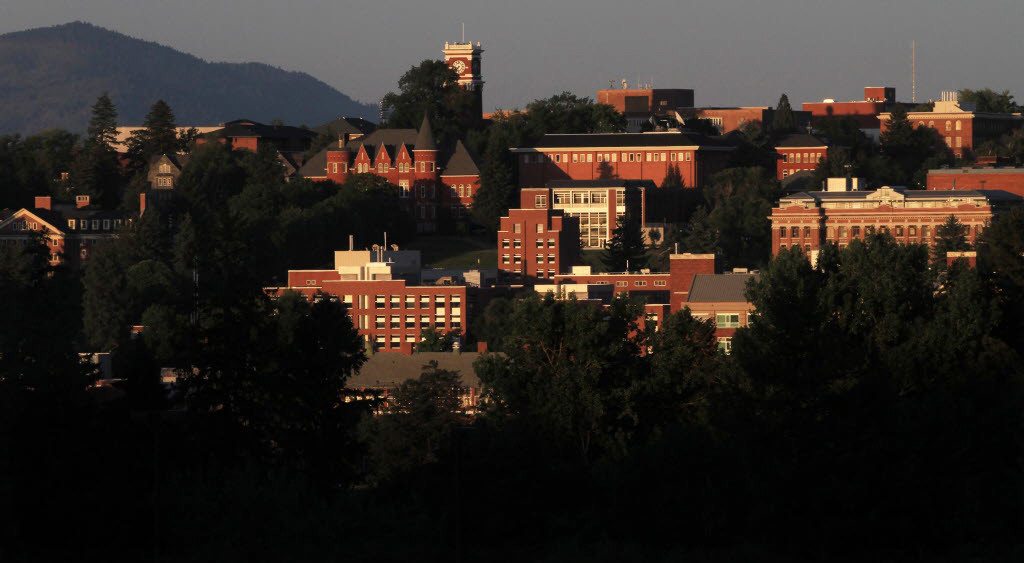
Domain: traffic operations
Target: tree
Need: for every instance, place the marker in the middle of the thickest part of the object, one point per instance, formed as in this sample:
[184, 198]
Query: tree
[434, 341]
[740, 201]
[159, 135]
[912, 151]
[783, 121]
[698, 235]
[497, 184]
[625, 250]
[96, 171]
[417, 422]
[432, 88]
[951, 236]
[988, 100]
[673, 178]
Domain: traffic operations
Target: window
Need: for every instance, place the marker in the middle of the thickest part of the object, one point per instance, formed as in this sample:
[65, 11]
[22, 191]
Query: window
[782, 232]
[378, 301]
[540, 243]
[540, 228]
[575, 157]
[410, 302]
[505, 243]
[517, 243]
[517, 228]
[164, 182]
[71, 224]
[540, 201]
[794, 232]
[727, 320]
[958, 125]
[725, 344]
[590, 157]
[396, 321]
[165, 168]
[689, 157]
[659, 283]
[855, 232]
[621, 284]
[807, 232]
[899, 230]
[912, 230]
[396, 301]
[424, 301]
[949, 125]
[379, 322]
[640, 283]
[504, 259]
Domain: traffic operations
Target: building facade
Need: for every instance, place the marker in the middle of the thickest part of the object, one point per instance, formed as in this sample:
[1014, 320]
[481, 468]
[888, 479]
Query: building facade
[961, 127]
[597, 205]
[729, 119]
[809, 220]
[639, 105]
[799, 152]
[388, 307]
[536, 243]
[70, 232]
[433, 182]
[1006, 179]
[626, 156]
[877, 99]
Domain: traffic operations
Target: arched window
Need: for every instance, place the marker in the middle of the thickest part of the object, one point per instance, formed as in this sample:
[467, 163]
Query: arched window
[949, 125]
[958, 125]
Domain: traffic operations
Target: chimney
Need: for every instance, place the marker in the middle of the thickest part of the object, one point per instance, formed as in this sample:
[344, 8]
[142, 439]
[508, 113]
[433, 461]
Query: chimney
[81, 201]
[142, 203]
[683, 268]
[44, 202]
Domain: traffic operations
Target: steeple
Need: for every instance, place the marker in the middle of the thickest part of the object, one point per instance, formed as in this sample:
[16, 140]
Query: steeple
[425, 138]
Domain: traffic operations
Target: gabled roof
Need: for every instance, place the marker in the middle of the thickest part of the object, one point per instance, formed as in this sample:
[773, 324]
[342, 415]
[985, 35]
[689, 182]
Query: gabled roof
[720, 288]
[177, 160]
[461, 163]
[800, 140]
[48, 219]
[315, 166]
[425, 137]
[249, 128]
[346, 126]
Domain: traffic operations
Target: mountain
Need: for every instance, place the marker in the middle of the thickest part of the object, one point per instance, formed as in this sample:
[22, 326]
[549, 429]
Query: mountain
[50, 77]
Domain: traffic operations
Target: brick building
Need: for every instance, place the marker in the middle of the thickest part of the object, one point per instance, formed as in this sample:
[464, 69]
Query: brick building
[69, 232]
[1006, 179]
[639, 105]
[626, 156]
[597, 205]
[798, 152]
[387, 304]
[877, 99]
[430, 178]
[464, 58]
[960, 125]
[839, 215]
[722, 299]
[729, 119]
[536, 243]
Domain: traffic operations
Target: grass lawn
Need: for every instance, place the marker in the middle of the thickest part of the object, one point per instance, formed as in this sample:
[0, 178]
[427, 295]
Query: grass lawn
[464, 252]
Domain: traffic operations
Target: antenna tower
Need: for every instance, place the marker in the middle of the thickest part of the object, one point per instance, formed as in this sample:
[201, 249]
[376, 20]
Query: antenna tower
[913, 71]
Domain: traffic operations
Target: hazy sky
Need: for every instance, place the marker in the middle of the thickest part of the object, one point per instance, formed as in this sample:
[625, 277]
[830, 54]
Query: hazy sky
[731, 52]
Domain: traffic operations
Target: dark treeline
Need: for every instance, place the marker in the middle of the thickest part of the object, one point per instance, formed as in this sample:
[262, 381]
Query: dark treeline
[869, 412]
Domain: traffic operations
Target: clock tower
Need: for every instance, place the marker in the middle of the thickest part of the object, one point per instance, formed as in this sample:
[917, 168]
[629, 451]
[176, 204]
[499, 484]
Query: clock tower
[464, 59]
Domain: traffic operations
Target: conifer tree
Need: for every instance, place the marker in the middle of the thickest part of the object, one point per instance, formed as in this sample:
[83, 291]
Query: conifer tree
[96, 171]
[158, 136]
[626, 248]
[783, 121]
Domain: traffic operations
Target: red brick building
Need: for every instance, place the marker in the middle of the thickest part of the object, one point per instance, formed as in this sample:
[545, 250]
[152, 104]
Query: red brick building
[69, 232]
[960, 125]
[431, 179]
[691, 282]
[536, 243]
[799, 152]
[626, 156]
[877, 99]
[728, 119]
[639, 105]
[1006, 179]
[808, 220]
[597, 205]
[387, 306]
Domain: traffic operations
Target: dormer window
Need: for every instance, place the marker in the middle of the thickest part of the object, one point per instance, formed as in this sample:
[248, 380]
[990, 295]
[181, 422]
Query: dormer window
[165, 168]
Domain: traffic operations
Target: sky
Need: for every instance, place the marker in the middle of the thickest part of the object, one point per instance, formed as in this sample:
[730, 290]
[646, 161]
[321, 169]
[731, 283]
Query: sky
[731, 52]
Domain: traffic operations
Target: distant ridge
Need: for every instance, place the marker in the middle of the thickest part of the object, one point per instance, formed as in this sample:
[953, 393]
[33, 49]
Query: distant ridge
[50, 77]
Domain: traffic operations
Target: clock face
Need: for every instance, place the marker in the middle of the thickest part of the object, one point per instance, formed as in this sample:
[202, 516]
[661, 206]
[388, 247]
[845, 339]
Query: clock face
[459, 67]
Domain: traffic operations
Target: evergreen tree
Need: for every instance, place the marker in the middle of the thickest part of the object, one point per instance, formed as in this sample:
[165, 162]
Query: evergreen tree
[626, 248]
[96, 171]
[673, 177]
[951, 236]
[497, 185]
[783, 121]
[159, 135]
